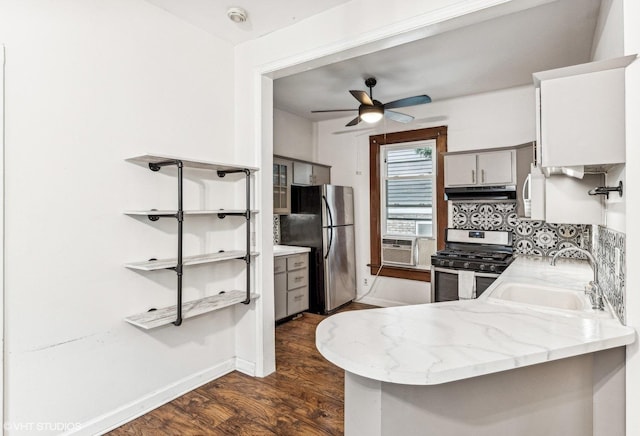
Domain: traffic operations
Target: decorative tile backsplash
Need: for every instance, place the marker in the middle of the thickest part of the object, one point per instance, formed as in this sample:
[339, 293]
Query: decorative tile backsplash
[276, 229]
[609, 251]
[544, 239]
[529, 237]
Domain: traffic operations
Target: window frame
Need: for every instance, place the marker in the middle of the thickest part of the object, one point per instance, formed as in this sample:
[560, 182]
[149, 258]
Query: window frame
[442, 212]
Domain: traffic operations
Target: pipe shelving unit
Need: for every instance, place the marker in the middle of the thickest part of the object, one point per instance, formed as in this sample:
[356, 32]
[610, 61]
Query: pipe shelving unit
[176, 314]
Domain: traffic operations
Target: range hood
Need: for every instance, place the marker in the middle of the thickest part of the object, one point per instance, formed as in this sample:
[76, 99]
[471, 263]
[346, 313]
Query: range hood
[480, 193]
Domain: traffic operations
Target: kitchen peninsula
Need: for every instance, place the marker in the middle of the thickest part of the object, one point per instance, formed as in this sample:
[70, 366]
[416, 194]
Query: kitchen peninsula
[483, 366]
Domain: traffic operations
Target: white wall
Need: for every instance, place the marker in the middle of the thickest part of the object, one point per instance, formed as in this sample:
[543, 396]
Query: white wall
[632, 195]
[88, 84]
[496, 119]
[617, 34]
[2, 232]
[292, 135]
[608, 41]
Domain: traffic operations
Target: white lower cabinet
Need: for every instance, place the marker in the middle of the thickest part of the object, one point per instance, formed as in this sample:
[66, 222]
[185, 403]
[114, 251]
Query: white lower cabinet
[291, 285]
[280, 287]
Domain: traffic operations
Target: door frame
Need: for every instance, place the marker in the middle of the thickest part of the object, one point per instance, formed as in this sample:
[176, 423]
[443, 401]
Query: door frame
[457, 15]
[2, 251]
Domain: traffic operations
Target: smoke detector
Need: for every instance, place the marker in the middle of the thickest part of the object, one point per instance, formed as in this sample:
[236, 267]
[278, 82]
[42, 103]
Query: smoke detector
[237, 15]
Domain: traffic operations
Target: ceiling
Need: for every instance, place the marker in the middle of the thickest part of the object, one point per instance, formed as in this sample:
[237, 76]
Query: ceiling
[264, 16]
[495, 54]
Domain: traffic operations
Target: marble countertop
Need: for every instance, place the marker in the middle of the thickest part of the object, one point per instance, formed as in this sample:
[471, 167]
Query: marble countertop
[430, 344]
[288, 250]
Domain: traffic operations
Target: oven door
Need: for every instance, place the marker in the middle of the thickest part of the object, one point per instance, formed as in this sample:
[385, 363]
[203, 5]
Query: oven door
[444, 283]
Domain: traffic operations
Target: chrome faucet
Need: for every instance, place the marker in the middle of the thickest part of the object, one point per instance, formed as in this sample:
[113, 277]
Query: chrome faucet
[593, 289]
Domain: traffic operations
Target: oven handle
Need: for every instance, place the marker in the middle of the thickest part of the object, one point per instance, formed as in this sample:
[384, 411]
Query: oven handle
[455, 271]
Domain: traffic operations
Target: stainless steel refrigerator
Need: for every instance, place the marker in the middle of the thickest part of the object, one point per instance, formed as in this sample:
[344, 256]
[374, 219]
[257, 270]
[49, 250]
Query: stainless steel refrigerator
[322, 218]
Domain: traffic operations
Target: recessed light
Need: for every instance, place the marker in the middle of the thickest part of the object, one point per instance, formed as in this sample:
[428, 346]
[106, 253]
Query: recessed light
[237, 15]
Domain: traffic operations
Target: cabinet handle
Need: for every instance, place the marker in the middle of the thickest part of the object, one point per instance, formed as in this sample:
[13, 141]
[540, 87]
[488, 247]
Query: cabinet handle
[482, 175]
[297, 279]
[298, 263]
[473, 176]
[298, 297]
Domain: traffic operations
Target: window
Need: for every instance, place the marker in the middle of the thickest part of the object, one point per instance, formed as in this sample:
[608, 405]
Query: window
[407, 202]
[407, 193]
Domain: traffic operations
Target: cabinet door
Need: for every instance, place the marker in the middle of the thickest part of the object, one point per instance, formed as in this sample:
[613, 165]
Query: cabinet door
[297, 300]
[281, 186]
[496, 168]
[297, 279]
[302, 173]
[567, 200]
[460, 170]
[582, 119]
[321, 175]
[297, 261]
[280, 295]
[279, 265]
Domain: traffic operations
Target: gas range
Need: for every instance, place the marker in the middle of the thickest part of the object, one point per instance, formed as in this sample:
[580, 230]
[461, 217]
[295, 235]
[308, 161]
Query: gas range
[475, 250]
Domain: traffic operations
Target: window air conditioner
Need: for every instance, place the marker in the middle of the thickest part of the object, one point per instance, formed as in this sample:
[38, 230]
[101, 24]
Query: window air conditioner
[398, 251]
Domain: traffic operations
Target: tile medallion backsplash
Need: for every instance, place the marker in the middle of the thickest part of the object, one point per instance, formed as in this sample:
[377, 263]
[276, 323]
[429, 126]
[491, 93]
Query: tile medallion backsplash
[276, 229]
[609, 251]
[529, 237]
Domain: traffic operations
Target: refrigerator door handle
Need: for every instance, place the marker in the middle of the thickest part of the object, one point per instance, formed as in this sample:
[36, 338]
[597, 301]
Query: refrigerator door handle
[326, 204]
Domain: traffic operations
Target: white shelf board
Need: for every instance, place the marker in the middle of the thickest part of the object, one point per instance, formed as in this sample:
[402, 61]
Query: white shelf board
[186, 212]
[154, 265]
[167, 315]
[189, 163]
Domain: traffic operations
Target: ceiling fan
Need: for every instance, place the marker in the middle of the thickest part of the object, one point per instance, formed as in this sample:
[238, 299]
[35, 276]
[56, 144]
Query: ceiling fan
[371, 111]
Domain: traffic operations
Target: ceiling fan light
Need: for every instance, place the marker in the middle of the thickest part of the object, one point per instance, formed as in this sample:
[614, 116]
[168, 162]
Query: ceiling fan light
[371, 114]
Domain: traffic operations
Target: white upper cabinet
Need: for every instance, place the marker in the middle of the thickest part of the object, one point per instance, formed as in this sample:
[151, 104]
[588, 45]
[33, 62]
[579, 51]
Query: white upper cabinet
[460, 169]
[496, 168]
[581, 114]
[580, 118]
[484, 168]
[307, 173]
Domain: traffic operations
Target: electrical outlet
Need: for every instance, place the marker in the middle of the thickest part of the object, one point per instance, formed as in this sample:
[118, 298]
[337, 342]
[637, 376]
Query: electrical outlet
[366, 282]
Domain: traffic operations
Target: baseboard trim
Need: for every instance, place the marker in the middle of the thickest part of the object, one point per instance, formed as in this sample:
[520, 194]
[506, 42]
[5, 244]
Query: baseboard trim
[381, 302]
[135, 409]
[246, 367]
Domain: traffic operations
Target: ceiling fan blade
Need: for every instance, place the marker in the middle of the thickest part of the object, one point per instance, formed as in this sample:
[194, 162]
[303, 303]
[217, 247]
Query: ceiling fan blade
[397, 116]
[334, 110]
[362, 97]
[409, 101]
[353, 122]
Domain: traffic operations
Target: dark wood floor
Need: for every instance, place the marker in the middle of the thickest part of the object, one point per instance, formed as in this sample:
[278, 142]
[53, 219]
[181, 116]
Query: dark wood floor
[305, 396]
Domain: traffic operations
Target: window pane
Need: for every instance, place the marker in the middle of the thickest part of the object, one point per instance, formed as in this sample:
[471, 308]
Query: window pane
[409, 162]
[408, 187]
[409, 193]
